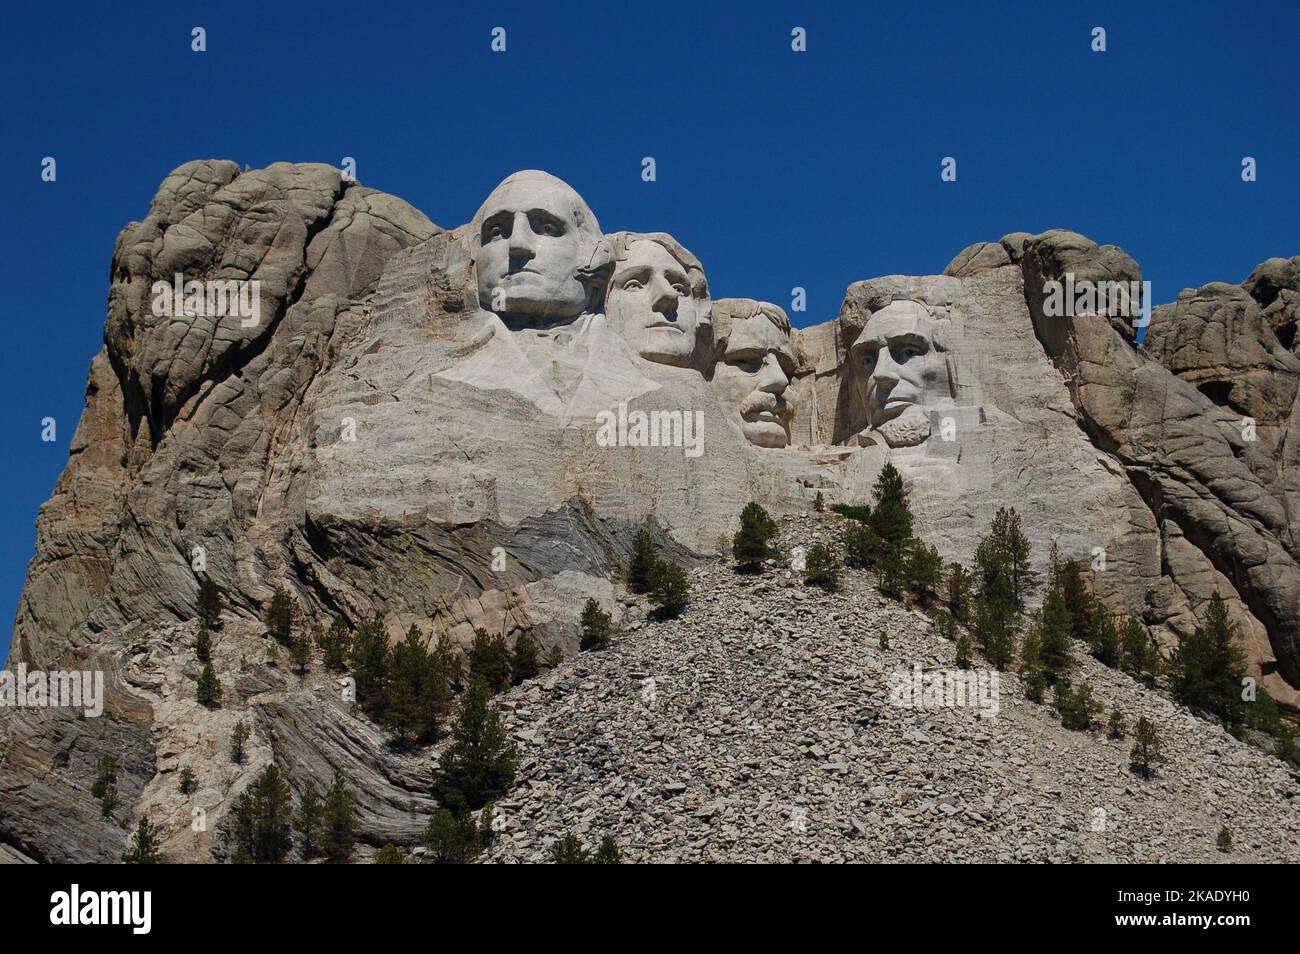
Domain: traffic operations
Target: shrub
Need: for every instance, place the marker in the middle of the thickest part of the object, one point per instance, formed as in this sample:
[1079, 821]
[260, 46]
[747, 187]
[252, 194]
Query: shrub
[643, 564]
[208, 689]
[822, 568]
[596, 628]
[389, 855]
[489, 660]
[1147, 753]
[752, 543]
[525, 658]
[672, 590]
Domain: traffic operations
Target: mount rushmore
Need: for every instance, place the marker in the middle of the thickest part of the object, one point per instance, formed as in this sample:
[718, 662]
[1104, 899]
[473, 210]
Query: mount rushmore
[466, 427]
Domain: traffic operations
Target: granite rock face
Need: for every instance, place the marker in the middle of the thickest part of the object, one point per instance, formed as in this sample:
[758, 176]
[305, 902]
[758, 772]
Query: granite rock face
[464, 429]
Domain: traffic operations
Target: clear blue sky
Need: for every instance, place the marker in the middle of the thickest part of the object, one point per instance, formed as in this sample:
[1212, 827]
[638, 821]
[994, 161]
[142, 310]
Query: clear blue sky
[777, 168]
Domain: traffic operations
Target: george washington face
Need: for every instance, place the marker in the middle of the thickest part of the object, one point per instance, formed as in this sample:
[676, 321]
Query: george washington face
[905, 372]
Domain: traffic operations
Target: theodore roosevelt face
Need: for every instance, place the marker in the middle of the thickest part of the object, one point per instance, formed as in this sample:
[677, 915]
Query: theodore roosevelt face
[753, 374]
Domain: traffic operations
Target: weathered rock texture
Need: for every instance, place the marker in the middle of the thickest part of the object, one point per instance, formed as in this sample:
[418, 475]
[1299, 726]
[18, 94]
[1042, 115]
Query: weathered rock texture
[382, 441]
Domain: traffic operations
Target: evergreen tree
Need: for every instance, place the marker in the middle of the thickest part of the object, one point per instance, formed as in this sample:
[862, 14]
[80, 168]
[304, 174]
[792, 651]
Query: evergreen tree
[608, 853]
[525, 658]
[964, 652]
[819, 502]
[307, 822]
[262, 818]
[144, 849]
[1035, 683]
[188, 783]
[1147, 753]
[569, 851]
[334, 644]
[280, 615]
[959, 593]
[891, 572]
[300, 652]
[447, 663]
[821, 567]
[1054, 651]
[452, 840]
[1207, 668]
[1103, 635]
[479, 764]
[237, 740]
[859, 513]
[890, 521]
[108, 801]
[105, 775]
[672, 590]
[753, 541]
[1075, 706]
[641, 568]
[859, 544]
[209, 688]
[924, 571]
[1224, 841]
[1076, 599]
[596, 629]
[555, 656]
[209, 604]
[389, 855]
[416, 693]
[203, 646]
[945, 625]
[1139, 656]
[338, 823]
[489, 660]
[369, 657]
[994, 633]
[1116, 727]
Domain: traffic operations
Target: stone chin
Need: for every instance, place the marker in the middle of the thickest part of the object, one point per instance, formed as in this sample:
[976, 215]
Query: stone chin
[908, 429]
[765, 433]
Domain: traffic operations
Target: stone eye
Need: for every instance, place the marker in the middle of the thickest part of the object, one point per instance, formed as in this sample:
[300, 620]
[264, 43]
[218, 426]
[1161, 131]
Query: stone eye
[631, 285]
[681, 289]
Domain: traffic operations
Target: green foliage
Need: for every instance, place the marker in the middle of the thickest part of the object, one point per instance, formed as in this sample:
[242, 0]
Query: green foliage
[556, 655]
[596, 626]
[1102, 634]
[1002, 569]
[1207, 668]
[608, 853]
[945, 624]
[644, 562]
[280, 615]
[389, 855]
[1147, 753]
[108, 801]
[416, 697]
[1224, 841]
[105, 775]
[752, 543]
[334, 644]
[1139, 655]
[995, 632]
[237, 740]
[368, 655]
[489, 660]
[338, 823]
[479, 763]
[1054, 651]
[965, 651]
[203, 646]
[1116, 727]
[859, 544]
[262, 817]
[924, 571]
[144, 848]
[455, 840]
[959, 593]
[307, 822]
[822, 567]
[890, 520]
[858, 513]
[672, 590]
[188, 783]
[208, 689]
[525, 658]
[884, 640]
[1035, 683]
[209, 604]
[891, 573]
[1075, 598]
[1075, 706]
[300, 652]
[819, 502]
[570, 851]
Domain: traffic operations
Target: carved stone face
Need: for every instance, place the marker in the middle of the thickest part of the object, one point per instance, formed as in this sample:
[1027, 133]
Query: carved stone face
[651, 304]
[753, 374]
[531, 236]
[904, 373]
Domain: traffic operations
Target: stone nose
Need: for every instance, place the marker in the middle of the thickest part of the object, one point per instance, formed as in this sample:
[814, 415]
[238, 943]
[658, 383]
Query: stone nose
[522, 239]
[772, 377]
[663, 296]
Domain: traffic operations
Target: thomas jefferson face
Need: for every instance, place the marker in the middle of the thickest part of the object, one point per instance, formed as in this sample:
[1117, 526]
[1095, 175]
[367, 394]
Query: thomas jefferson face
[905, 374]
[651, 304]
[753, 374]
[533, 233]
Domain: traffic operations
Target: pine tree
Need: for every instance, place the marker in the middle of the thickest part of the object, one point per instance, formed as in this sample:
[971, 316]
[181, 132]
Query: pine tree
[452, 840]
[525, 658]
[924, 571]
[209, 688]
[1147, 753]
[859, 544]
[819, 502]
[555, 656]
[1075, 706]
[1208, 667]
[964, 652]
[1076, 599]
[262, 818]
[959, 593]
[300, 652]
[945, 625]
[447, 663]
[237, 740]
[1224, 841]
[890, 522]
[1139, 656]
[489, 660]
[994, 633]
[596, 628]
[1102, 634]
[280, 615]
[891, 572]
[105, 775]
[338, 823]
[821, 568]
[307, 822]
[672, 590]
[569, 851]
[188, 783]
[884, 641]
[1035, 683]
[753, 541]
[369, 656]
[608, 853]
[1054, 637]
[144, 848]
[334, 644]
[644, 562]
[209, 604]
[479, 764]
[389, 855]
[1116, 728]
[416, 694]
[203, 646]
